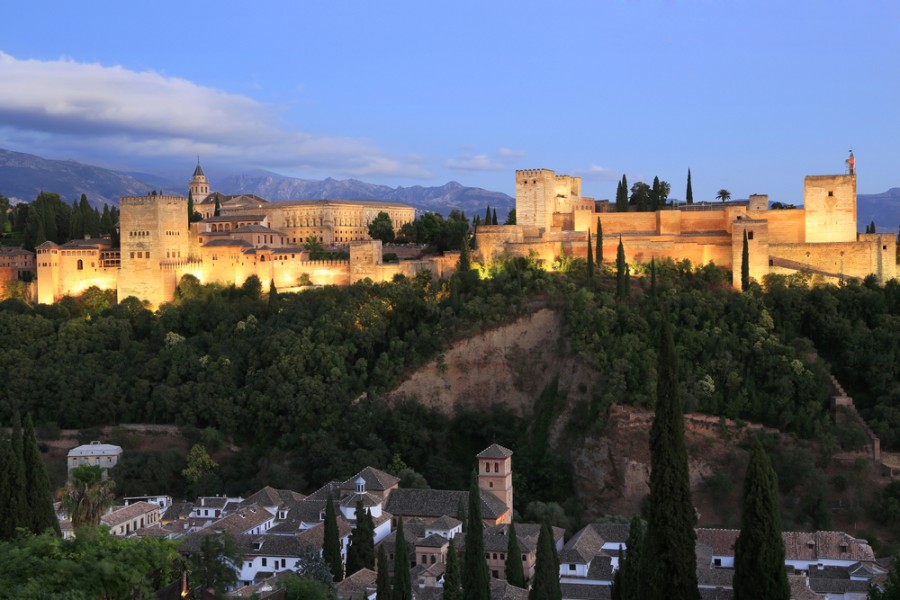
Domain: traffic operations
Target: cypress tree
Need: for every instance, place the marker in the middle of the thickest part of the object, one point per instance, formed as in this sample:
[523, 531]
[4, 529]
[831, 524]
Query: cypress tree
[361, 553]
[494, 217]
[515, 571]
[331, 544]
[106, 222]
[476, 585]
[653, 276]
[464, 265]
[383, 580]
[622, 196]
[452, 585]
[669, 562]
[18, 479]
[545, 585]
[218, 209]
[745, 265]
[7, 522]
[37, 495]
[615, 591]
[630, 564]
[759, 570]
[621, 289]
[689, 194]
[190, 214]
[487, 216]
[590, 258]
[654, 195]
[402, 582]
[76, 225]
[599, 242]
[273, 293]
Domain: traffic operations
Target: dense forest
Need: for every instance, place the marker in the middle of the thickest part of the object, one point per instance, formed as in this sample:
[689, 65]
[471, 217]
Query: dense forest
[295, 380]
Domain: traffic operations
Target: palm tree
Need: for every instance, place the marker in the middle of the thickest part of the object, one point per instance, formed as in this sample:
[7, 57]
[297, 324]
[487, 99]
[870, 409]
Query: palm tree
[664, 190]
[724, 195]
[87, 495]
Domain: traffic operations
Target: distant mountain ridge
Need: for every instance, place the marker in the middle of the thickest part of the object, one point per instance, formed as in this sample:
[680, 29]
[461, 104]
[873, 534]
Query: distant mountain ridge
[883, 208]
[23, 176]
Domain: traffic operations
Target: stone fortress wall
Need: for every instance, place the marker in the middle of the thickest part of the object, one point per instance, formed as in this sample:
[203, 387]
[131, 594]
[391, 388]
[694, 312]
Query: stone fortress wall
[821, 237]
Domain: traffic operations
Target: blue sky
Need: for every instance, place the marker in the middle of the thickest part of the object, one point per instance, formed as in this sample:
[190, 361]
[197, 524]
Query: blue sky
[751, 96]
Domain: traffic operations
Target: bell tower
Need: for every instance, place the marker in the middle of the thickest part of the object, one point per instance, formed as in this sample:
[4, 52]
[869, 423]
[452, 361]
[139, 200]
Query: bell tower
[199, 186]
[495, 473]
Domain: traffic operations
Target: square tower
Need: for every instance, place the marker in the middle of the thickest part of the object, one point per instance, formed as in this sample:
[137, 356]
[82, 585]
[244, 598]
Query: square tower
[535, 198]
[154, 235]
[829, 202]
[495, 473]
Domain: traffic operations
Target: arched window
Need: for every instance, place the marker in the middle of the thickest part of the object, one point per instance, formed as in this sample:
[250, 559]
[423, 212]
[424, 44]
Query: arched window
[496, 467]
[80, 264]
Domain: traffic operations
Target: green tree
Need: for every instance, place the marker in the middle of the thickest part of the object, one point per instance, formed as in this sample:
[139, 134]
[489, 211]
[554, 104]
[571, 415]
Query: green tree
[652, 276]
[665, 188]
[7, 505]
[20, 512]
[745, 265]
[452, 586]
[199, 464]
[464, 265]
[487, 216]
[383, 580]
[599, 242]
[891, 589]
[723, 195]
[361, 553]
[590, 258]
[622, 195]
[106, 222]
[621, 265]
[87, 495]
[669, 563]
[311, 565]
[217, 210]
[313, 245]
[515, 571]
[545, 585]
[494, 217]
[381, 228]
[402, 583]
[655, 195]
[641, 196]
[38, 495]
[630, 564]
[759, 570]
[331, 546]
[476, 583]
[689, 194]
[303, 588]
[212, 566]
[510, 217]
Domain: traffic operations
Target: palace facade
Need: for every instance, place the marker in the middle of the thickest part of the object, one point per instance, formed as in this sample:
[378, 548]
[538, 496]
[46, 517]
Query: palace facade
[249, 236]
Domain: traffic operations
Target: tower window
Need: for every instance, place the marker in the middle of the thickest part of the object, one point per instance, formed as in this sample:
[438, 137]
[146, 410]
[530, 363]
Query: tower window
[830, 194]
[749, 235]
[80, 264]
[496, 467]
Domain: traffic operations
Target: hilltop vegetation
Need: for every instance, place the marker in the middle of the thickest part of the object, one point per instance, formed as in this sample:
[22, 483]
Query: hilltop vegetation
[295, 381]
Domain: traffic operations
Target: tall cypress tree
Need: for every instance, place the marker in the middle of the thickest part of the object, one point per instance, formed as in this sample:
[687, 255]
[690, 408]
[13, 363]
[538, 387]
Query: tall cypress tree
[622, 196]
[630, 564]
[383, 580]
[402, 582]
[669, 563]
[494, 217]
[599, 242]
[452, 584]
[487, 216]
[745, 265]
[18, 479]
[759, 570]
[654, 195]
[37, 494]
[190, 215]
[218, 208]
[515, 571]
[331, 544]
[476, 584]
[361, 553]
[7, 522]
[545, 585]
[689, 194]
[621, 289]
[590, 258]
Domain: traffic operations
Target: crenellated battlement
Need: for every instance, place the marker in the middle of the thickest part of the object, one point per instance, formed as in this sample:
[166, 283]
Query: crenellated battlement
[522, 173]
[150, 200]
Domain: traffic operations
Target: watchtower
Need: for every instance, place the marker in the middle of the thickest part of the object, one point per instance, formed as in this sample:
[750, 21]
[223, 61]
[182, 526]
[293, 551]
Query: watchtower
[495, 473]
[154, 233]
[535, 198]
[199, 186]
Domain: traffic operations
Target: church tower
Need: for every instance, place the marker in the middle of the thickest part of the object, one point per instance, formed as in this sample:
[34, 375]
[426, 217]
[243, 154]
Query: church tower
[199, 186]
[495, 473]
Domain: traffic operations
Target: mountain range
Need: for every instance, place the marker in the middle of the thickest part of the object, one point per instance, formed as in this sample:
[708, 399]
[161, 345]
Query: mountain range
[24, 176]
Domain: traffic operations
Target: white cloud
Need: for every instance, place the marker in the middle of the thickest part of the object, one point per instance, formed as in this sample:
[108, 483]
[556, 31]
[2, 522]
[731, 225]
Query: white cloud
[64, 103]
[484, 162]
[598, 173]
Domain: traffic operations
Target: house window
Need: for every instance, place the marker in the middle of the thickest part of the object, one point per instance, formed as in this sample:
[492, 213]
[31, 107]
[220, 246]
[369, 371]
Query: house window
[432, 559]
[487, 468]
[80, 264]
[571, 566]
[771, 262]
[264, 562]
[495, 574]
[717, 562]
[490, 484]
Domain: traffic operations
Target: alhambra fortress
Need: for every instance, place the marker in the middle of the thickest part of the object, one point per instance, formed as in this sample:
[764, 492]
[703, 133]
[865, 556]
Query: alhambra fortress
[252, 236]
